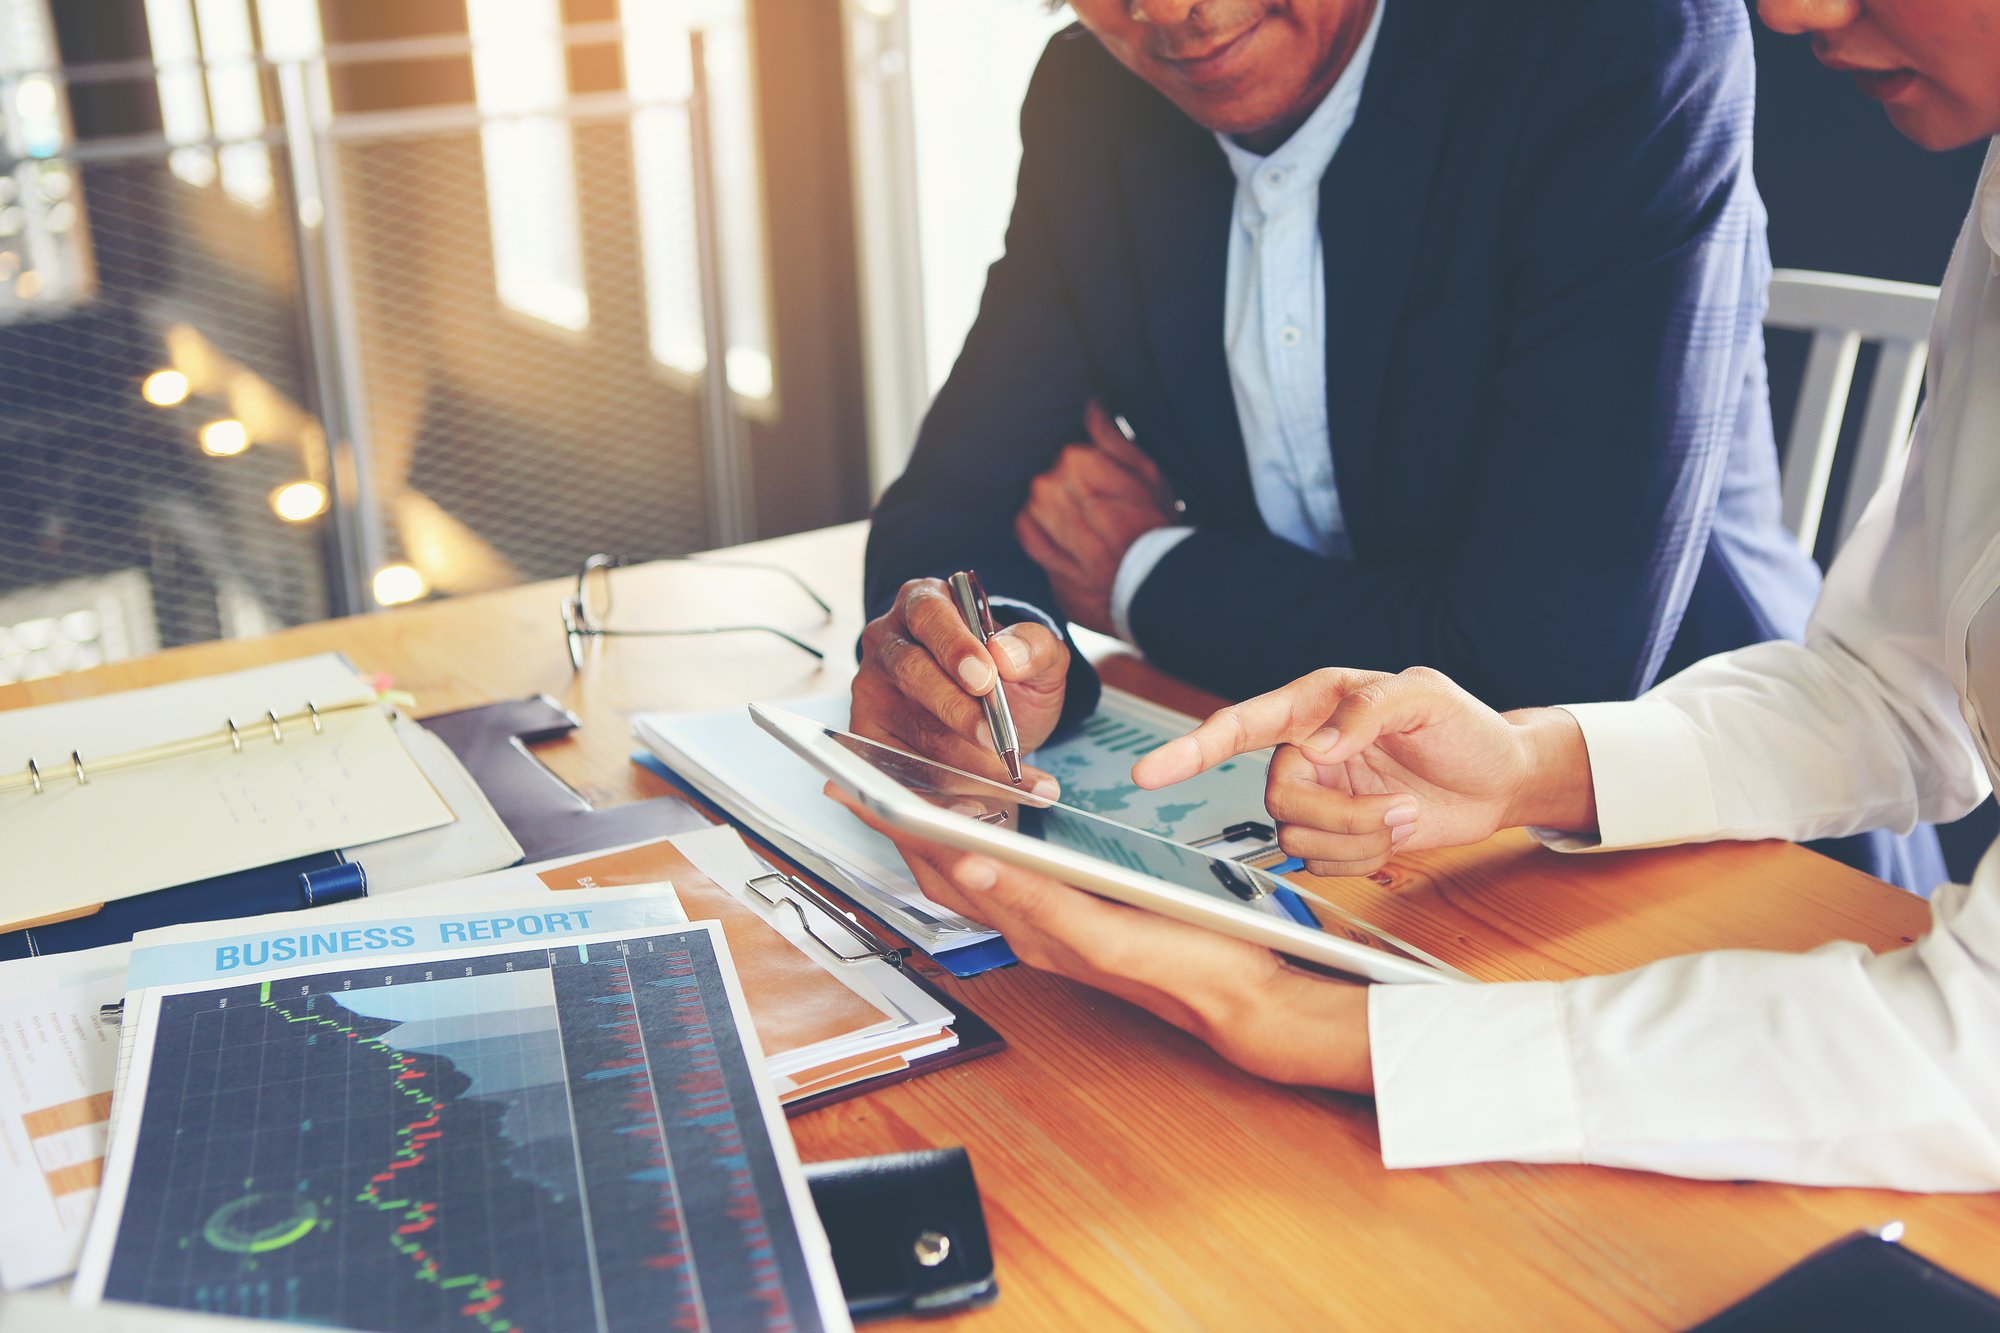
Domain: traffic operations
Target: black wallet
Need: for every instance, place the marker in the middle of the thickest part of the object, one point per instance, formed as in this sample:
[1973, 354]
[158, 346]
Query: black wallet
[1862, 1284]
[908, 1233]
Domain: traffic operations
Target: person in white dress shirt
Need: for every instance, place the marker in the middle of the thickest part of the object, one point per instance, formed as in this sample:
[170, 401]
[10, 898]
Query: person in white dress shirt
[1835, 1067]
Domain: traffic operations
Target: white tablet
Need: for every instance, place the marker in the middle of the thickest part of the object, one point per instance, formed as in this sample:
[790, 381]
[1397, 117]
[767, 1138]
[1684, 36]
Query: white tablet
[955, 808]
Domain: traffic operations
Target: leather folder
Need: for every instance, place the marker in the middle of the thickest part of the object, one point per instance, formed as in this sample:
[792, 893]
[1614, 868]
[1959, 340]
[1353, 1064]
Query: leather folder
[908, 1233]
[1864, 1283]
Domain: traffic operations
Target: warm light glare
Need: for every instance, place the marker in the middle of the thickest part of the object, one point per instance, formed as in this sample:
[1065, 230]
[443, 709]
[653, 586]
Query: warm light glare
[299, 501]
[164, 388]
[227, 438]
[396, 584]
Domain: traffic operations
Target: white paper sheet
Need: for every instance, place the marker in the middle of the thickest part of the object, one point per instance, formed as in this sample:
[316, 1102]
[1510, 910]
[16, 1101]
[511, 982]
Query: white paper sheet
[58, 1054]
[472, 844]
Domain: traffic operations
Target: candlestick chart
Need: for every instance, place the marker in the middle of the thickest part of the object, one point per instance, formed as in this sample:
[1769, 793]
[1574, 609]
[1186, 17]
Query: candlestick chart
[547, 1139]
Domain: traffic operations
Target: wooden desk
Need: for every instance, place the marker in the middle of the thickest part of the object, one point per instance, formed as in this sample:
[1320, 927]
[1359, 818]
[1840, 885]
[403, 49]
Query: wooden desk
[1131, 1178]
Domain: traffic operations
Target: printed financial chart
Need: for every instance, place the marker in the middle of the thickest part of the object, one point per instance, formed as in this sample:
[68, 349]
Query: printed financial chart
[548, 1139]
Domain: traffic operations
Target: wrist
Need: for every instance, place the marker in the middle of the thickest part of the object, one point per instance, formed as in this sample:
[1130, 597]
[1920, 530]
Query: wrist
[1553, 788]
[1294, 1026]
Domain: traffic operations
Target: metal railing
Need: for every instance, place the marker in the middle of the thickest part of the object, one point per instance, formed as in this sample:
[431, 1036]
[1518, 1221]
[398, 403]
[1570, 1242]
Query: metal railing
[633, 453]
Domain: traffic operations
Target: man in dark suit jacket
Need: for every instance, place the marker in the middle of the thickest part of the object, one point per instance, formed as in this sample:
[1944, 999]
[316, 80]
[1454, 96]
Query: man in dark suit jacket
[1532, 314]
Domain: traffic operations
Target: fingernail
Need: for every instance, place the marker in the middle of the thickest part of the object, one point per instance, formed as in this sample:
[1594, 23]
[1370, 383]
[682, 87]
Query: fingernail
[975, 873]
[1399, 814]
[984, 734]
[1014, 651]
[1399, 836]
[976, 674]
[1047, 788]
[1321, 741]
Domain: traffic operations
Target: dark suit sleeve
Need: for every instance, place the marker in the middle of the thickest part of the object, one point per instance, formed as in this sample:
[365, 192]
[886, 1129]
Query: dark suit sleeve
[1636, 281]
[1015, 397]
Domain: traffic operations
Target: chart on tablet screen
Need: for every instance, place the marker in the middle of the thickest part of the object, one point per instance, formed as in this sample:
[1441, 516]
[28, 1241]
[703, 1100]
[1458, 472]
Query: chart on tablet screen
[1094, 767]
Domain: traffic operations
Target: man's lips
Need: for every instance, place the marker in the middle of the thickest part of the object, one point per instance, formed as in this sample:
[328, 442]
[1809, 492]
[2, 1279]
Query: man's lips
[1884, 85]
[1215, 63]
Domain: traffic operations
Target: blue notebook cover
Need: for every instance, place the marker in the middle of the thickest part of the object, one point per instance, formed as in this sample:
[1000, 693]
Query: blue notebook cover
[282, 887]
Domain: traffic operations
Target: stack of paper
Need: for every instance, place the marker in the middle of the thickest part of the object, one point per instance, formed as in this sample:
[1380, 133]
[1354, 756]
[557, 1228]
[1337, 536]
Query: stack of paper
[821, 1024]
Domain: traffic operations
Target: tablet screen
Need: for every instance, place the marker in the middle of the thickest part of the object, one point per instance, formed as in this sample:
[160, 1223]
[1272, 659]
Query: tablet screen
[1060, 825]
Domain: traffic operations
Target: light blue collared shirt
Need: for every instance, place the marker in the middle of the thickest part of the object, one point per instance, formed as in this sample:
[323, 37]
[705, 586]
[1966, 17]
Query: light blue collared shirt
[1274, 330]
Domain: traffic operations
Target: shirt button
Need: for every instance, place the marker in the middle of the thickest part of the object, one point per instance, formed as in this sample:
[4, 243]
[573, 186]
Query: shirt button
[1289, 336]
[1275, 176]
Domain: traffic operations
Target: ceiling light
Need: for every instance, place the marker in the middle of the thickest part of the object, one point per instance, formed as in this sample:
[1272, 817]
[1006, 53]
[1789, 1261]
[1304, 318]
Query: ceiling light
[164, 388]
[226, 439]
[299, 501]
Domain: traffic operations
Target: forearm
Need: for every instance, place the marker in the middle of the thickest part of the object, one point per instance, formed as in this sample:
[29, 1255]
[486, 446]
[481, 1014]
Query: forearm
[1220, 590]
[1828, 1068]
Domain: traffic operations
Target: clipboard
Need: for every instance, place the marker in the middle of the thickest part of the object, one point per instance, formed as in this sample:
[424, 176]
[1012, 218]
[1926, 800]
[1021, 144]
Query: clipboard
[976, 1037]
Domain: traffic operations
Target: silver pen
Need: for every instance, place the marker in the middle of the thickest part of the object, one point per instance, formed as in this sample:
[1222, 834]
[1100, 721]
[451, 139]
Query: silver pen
[970, 595]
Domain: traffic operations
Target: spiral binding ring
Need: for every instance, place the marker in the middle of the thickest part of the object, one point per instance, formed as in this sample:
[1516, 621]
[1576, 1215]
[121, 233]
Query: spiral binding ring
[319, 728]
[82, 778]
[277, 731]
[235, 739]
[35, 776]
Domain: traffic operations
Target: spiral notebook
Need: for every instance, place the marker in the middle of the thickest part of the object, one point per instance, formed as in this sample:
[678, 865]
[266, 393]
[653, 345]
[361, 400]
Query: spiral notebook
[104, 798]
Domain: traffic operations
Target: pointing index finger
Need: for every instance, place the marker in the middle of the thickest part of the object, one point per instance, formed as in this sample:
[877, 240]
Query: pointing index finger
[1291, 713]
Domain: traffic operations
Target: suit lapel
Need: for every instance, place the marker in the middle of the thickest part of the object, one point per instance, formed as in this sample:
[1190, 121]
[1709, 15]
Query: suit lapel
[1371, 209]
[1178, 193]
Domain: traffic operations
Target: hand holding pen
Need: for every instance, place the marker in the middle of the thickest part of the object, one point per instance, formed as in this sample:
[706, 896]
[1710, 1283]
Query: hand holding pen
[925, 674]
[970, 594]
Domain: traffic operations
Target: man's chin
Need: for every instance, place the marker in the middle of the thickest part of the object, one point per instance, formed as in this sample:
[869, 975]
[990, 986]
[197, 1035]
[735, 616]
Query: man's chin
[1938, 127]
[1233, 116]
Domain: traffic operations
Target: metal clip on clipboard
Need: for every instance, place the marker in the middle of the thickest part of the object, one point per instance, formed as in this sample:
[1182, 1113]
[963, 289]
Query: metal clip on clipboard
[874, 950]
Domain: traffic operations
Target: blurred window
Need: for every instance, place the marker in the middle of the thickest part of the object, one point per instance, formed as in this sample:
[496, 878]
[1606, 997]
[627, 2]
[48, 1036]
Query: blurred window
[969, 67]
[659, 77]
[44, 251]
[235, 98]
[183, 101]
[517, 72]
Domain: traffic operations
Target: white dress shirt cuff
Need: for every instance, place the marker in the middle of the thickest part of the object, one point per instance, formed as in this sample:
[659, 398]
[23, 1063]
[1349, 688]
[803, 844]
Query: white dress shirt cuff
[1025, 609]
[1650, 776]
[1473, 1074]
[1140, 558]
